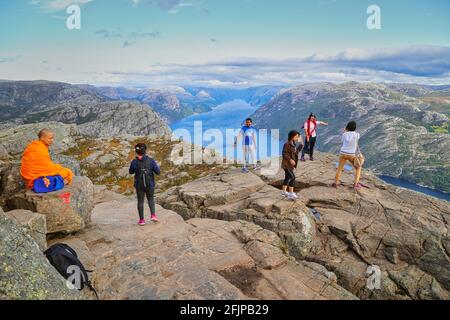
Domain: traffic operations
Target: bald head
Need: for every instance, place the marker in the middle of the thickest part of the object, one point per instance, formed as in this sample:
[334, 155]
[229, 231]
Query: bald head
[46, 136]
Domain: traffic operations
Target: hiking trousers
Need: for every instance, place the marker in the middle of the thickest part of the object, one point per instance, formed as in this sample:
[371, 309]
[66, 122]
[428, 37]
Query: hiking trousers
[342, 160]
[150, 194]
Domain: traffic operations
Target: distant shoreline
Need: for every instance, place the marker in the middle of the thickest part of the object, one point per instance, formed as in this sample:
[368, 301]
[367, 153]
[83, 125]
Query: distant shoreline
[415, 187]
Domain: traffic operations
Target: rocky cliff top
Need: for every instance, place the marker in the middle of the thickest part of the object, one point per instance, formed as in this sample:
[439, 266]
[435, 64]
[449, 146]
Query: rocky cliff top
[220, 229]
[404, 233]
[196, 259]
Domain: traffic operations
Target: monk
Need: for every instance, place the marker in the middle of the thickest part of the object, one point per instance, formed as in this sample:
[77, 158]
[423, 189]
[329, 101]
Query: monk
[36, 161]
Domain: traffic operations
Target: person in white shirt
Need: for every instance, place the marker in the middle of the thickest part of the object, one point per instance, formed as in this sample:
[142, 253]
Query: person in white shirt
[349, 149]
[310, 128]
[248, 136]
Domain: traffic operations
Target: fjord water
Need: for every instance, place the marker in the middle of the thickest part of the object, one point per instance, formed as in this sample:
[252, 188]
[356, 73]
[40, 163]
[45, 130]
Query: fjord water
[411, 186]
[232, 114]
[226, 117]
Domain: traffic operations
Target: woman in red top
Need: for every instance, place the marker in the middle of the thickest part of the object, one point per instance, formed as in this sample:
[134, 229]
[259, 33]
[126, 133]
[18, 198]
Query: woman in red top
[310, 127]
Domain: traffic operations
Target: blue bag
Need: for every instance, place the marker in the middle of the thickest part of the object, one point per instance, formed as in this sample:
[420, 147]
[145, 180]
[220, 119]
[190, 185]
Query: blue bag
[48, 184]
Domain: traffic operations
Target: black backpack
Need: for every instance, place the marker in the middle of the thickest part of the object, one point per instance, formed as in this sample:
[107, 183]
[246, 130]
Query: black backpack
[65, 260]
[143, 174]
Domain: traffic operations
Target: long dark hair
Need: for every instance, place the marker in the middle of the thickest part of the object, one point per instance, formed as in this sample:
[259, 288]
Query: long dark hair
[311, 115]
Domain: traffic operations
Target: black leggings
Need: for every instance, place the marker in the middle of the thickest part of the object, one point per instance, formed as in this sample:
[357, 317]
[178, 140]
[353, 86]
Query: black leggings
[289, 178]
[149, 192]
[309, 146]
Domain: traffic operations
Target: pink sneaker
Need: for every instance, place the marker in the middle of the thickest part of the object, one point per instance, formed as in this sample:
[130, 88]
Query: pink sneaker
[141, 222]
[154, 218]
[357, 186]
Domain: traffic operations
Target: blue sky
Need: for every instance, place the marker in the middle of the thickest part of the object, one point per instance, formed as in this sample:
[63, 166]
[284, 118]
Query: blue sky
[225, 43]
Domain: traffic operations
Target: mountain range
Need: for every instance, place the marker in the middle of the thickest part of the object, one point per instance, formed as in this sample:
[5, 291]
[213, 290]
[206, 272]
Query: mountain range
[175, 103]
[25, 102]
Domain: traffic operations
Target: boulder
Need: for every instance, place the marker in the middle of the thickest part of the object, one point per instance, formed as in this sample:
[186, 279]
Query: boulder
[68, 210]
[106, 158]
[33, 224]
[264, 246]
[233, 195]
[11, 181]
[25, 273]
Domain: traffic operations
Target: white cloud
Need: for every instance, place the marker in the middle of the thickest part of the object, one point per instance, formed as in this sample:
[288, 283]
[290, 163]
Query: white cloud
[171, 6]
[412, 60]
[9, 59]
[426, 65]
[423, 65]
[57, 5]
[127, 37]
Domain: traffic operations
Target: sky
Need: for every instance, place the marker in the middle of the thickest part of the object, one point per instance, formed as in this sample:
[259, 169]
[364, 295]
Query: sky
[228, 43]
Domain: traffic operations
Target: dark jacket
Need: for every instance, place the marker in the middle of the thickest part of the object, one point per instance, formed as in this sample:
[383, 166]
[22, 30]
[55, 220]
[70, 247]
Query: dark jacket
[290, 152]
[144, 171]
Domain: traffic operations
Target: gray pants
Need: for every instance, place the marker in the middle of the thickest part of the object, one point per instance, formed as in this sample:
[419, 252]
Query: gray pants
[141, 194]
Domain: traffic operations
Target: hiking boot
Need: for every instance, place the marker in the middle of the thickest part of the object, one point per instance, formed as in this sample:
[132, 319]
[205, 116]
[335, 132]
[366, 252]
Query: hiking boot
[302, 159]
[154, 218]
[334, 185]
[245, 170]
[357, 186]
[311, 158]
[141, 222]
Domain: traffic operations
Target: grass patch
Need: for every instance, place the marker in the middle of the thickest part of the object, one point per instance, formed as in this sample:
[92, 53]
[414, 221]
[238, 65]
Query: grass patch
[444, 128]
[108, 174]
[83, 149]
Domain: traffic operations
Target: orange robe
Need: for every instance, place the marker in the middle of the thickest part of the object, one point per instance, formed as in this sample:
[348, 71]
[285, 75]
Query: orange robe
[36, 163]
